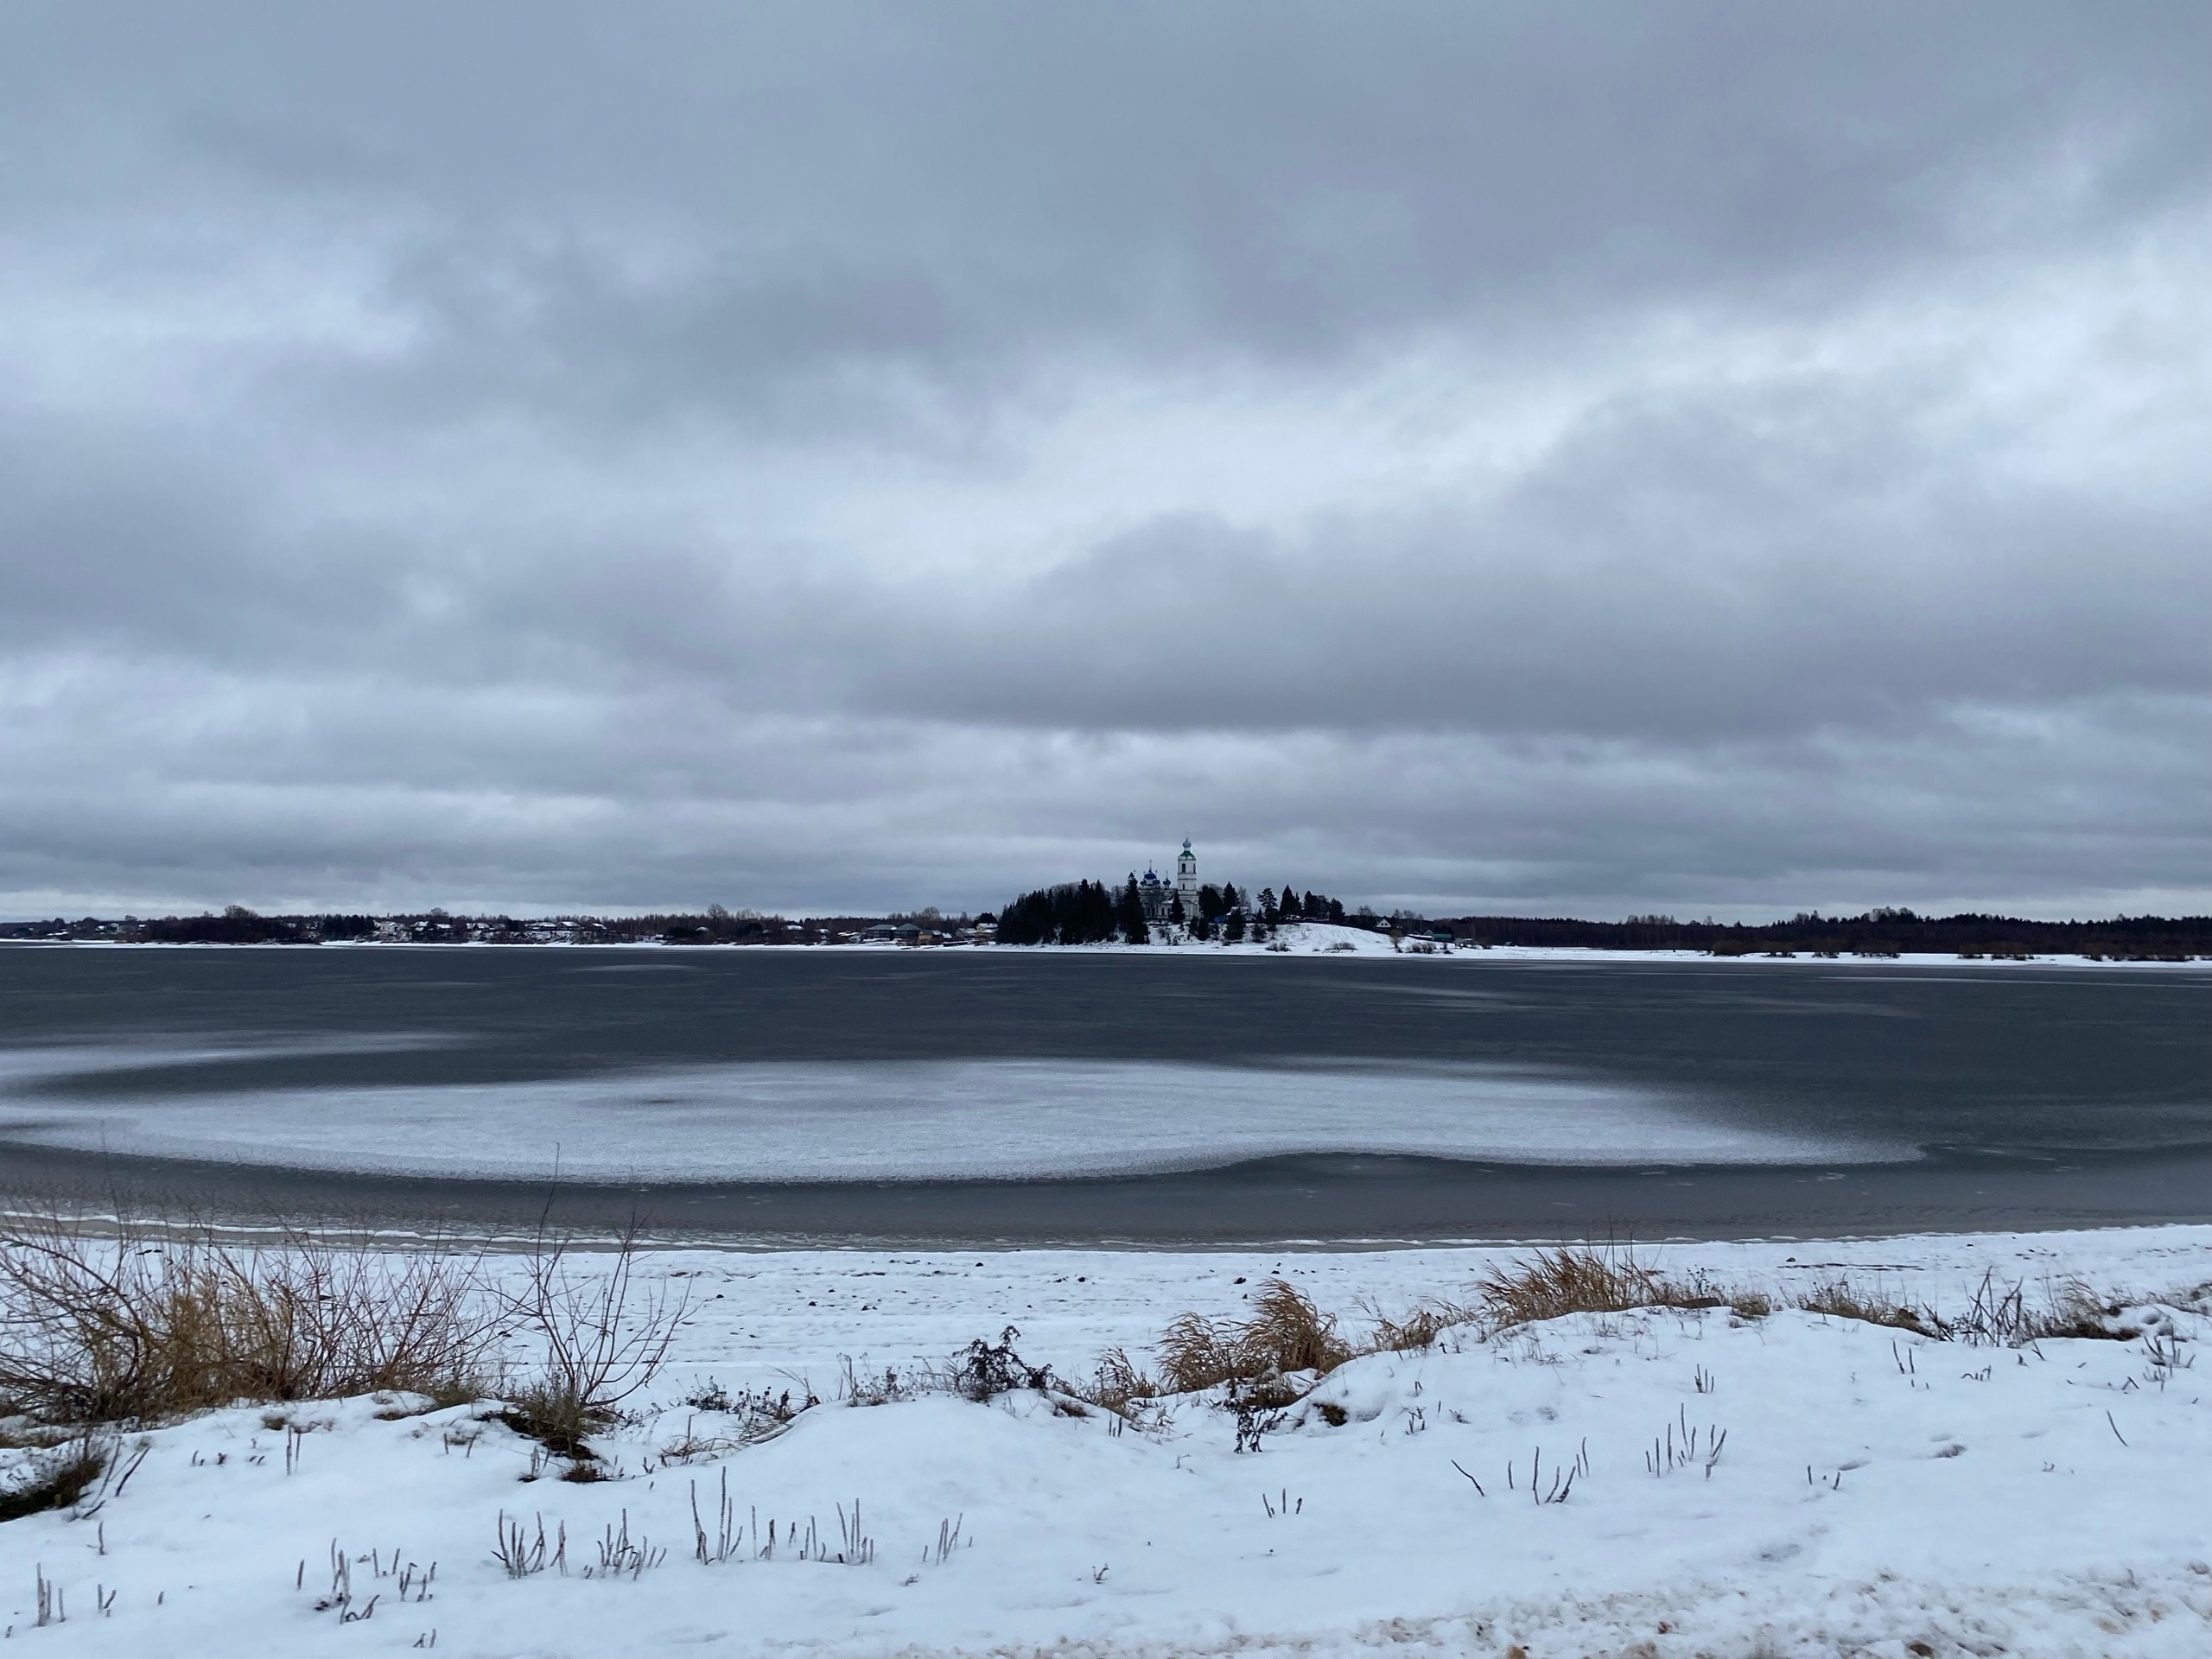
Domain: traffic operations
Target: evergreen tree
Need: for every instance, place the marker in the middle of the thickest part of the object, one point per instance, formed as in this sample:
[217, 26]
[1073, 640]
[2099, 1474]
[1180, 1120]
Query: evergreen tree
[1267, 911]
[1230, 899]
[1081, 913]
[1336, 912]
[1027, 920]
[1232, 926]
[1175, 916]
[1210, 904]
[1133, 929]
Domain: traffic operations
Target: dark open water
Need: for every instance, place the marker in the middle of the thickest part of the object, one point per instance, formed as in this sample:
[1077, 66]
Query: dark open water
[1004, 1097]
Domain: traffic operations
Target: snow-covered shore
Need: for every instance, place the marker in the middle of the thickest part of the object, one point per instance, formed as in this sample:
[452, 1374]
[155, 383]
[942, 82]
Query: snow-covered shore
[1875, 1490]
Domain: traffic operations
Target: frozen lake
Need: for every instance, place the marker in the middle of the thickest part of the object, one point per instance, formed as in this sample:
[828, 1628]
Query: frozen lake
[1155, 1098]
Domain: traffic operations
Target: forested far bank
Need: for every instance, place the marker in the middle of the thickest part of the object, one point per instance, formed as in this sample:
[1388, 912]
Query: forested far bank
[1095, 913]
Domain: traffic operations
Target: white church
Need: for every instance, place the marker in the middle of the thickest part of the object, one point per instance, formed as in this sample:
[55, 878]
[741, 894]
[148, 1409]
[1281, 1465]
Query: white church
[1158, 895]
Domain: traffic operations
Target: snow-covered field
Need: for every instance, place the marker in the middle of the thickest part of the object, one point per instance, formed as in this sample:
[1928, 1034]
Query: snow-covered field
[1875, 1493]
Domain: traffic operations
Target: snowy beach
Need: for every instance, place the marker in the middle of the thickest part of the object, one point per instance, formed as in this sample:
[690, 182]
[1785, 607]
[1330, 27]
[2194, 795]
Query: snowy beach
[1727, 1483]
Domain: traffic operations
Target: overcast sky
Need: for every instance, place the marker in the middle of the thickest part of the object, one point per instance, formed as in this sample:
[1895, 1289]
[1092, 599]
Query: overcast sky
[1703, 458]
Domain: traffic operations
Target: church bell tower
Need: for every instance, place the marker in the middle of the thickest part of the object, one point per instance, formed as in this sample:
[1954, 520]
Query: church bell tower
[1186, 879]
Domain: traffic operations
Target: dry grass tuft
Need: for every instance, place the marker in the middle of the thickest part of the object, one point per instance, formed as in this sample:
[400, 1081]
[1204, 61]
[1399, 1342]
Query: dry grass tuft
[2072, 1309]
[1196, 1353]
[1287, 1332]
[1288, 1335]
[1117, 1384]
[557, 1418]
[1417, 1330]
[1284, 1332]
[1840, 1299]
[1555, 1283]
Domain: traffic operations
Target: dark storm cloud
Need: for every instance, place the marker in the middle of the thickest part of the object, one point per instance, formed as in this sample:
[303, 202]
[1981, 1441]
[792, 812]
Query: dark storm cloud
[1737, 456]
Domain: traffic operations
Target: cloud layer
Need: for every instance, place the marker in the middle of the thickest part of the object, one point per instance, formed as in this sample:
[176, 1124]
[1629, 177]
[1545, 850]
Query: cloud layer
[1729, 461]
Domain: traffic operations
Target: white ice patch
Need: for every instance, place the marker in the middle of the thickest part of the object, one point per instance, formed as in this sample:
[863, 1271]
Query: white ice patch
[935, 1120]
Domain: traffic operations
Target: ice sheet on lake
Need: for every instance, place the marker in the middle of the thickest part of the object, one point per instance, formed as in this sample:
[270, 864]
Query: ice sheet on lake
[936, 1119]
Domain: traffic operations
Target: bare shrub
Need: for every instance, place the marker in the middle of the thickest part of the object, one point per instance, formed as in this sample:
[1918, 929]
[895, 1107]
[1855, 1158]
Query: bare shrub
[983, 1371]
[133, 1320]
[136, 1320]
[709, 1395]
[600, 1337]
[1285, 1332]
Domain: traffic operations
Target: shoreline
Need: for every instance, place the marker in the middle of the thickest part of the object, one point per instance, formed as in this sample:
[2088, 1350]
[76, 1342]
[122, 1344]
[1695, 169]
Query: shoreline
[1337, 1203]
[1499, 953]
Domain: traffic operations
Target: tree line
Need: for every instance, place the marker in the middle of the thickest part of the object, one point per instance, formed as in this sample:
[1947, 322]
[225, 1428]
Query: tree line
[1884, 930]
[1083, 912]
[1091, 912]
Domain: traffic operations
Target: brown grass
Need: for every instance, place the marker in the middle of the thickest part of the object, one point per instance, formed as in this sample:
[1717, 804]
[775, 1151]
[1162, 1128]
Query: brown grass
[142, 1322]
[2072, 1309]
[1117, 1384]
[1416, 1331]
[1840, 1299]
[1555, 1283]
[1284, 1332]
[106, 1321]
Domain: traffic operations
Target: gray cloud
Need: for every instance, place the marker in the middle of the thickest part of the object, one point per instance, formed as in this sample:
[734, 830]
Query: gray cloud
[1730, 459]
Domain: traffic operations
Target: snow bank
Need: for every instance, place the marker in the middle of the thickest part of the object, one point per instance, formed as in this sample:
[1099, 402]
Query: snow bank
[1872, 1491]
